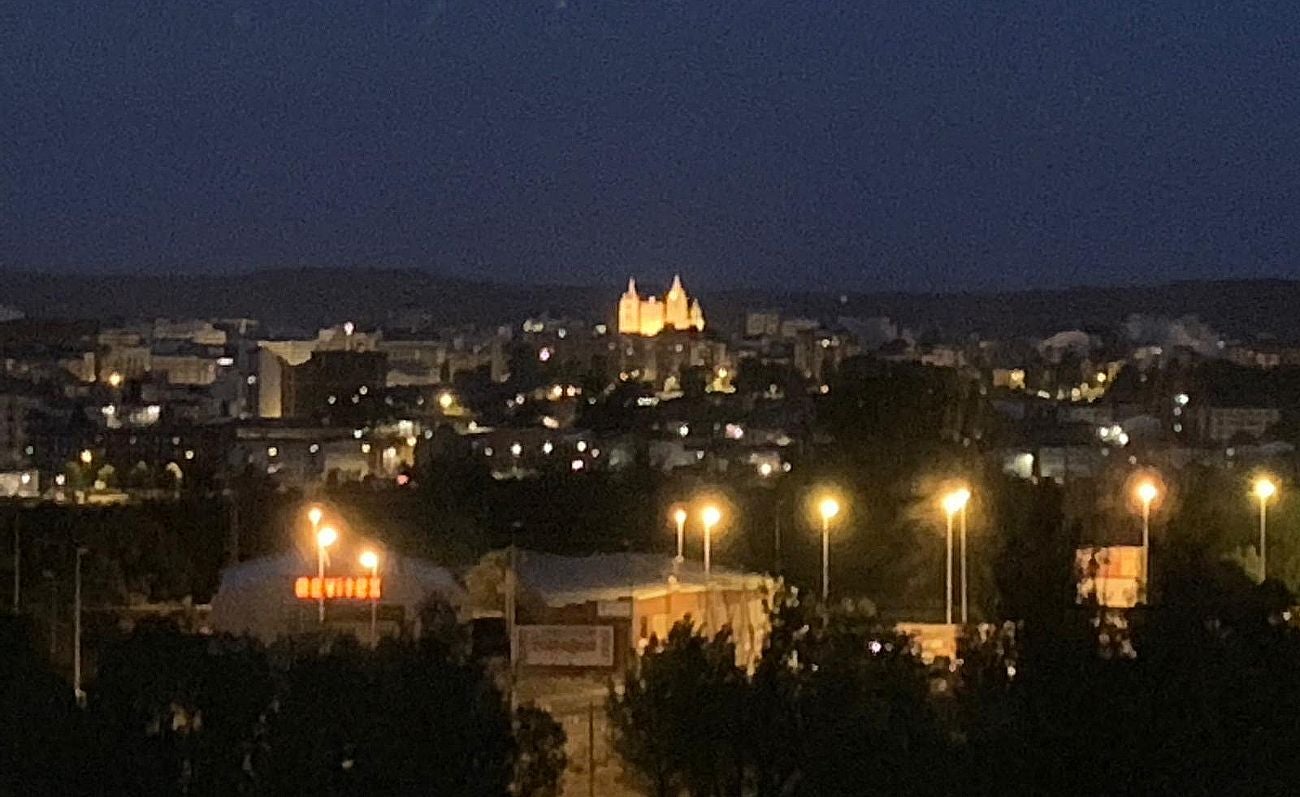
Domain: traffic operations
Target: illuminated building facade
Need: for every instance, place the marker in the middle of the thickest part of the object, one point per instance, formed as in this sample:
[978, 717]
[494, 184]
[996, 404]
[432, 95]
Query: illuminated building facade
[649, 316]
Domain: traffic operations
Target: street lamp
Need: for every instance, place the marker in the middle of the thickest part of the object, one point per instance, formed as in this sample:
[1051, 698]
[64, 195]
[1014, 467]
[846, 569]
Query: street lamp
[828, 508]
[1264, 489]
[370, 561]
[954, 503]
[679, 517]
[18, 583]
[76, 629]
[314, 516]
[324, 539]
[1146, 493]
[709, 516]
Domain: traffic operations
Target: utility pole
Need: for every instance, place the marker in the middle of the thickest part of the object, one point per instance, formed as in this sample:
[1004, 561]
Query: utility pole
[76, 630]
[18, 563]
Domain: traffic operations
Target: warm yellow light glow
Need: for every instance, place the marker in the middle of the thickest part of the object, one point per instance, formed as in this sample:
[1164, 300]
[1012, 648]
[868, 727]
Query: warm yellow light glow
[445, 400]
[765, 469]
[956, 500]
[1265, 489]
[327, 537]
[115, 379]
[679, 516]
[314, 515]
[1147, 492]
[369, 560]
[829, 508]
[649, 316]
[86, 456]
[1101, 377]
[711, 515]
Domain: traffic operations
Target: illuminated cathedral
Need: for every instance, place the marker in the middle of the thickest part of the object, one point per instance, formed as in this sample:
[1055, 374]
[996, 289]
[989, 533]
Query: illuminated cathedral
[649, 316]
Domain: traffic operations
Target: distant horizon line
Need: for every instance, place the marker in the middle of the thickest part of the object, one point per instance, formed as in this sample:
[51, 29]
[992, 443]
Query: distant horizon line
[619, 283]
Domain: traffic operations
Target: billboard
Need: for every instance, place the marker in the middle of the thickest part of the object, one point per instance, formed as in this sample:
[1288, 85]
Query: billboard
[1112, 573]
[932, 640]
[565, 645]
[338, 588]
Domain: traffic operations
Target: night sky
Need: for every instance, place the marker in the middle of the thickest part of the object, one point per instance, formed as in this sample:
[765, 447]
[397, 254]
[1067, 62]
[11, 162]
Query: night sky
[824, 144]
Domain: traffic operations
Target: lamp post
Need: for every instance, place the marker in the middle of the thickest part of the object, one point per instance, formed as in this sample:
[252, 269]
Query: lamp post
[828, 508]
[709, 517]
[953, 504]
[18, 560]
[679, 518]
[326, 537]
[76, 629]
[1265, 489]
[1146, 494]
[370, 561]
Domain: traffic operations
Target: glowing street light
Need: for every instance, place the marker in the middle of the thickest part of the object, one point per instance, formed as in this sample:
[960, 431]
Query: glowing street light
[1146, 493]
[954, 503]
[326, 537]
[679, 518]
[710, 516]
[828, 508]
[87, 457]
[370, 561]
[314, 516]
[1265, 488]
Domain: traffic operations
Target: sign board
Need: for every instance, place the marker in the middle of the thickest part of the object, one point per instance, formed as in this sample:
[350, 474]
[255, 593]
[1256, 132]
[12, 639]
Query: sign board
[932, 640]
[614, 609]
[565, 645]
[1113, 574]
[365, 588]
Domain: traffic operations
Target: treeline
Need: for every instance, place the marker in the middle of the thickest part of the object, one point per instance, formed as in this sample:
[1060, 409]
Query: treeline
[1200, 696]
[174, 713]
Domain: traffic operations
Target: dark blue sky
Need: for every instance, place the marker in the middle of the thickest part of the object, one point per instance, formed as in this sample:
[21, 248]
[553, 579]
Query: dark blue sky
[845, 144]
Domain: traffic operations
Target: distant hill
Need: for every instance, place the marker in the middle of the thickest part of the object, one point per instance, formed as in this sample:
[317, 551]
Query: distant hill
[307, 297]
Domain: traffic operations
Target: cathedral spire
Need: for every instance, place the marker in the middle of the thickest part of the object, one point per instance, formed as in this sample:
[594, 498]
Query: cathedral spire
[631, 286]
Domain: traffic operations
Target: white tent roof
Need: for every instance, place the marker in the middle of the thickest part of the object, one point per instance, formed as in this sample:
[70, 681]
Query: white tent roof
[563, 580]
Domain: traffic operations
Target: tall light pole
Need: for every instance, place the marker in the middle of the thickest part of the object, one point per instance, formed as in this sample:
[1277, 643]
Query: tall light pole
[954, 503]
[1146, 494]
[18, 561]
[76, 629]
[679, 517]
[370, 561]
[1265, 489]
[326, 537]
[828, 508]
[709, 517]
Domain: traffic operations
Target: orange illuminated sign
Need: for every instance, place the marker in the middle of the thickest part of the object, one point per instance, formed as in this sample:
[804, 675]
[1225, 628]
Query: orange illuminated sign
[338, 587]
